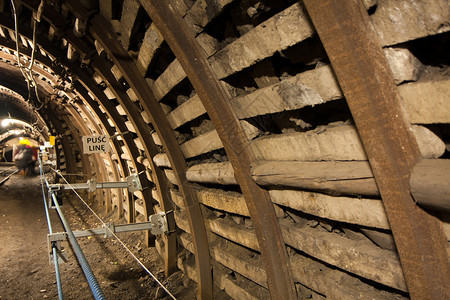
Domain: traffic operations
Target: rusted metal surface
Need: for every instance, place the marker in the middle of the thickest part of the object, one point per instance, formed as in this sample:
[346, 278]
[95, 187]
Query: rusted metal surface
[78, 128]
[102, 118]
[129, 143]
[102, 32]
[151, 149]
[216, 101]
[95, 125]
[363, 73]
[60, 24]
[69, 157]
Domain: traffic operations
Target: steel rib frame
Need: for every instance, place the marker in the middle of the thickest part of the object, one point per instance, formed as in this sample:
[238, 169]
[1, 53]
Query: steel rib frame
[216, 102]
[129, 143]
[69, 120]
[82, 129]
[95, 123]
[38, 56]
[352, 45]
[95, 108]
[55, 20]
[69, 159]
[101, 30]
[151, 149]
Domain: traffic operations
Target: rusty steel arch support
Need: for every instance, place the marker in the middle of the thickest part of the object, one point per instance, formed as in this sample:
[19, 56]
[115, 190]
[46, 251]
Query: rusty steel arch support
[65, 143]
[120, 126]
[94, 106]
[361, 68]
[80, 129]
[73, 124]
[216, 101]
[95, 122]
[102, 32]
[151, 149]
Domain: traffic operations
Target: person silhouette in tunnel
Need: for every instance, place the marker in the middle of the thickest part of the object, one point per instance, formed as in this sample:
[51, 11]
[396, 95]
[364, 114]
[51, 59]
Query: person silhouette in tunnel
[25, 157]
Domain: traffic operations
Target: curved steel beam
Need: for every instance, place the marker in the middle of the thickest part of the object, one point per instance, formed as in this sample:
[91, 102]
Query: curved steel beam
[79, 129]
[217, 104]
[122, 164]
[75, 128]
[118, 123]
[151, 149]
[65, 143]
[102, 32]
[360, 65]
[95, 122]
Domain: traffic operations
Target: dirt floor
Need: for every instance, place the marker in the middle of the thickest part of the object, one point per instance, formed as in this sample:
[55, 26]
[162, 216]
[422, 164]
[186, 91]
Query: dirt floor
[24, 262]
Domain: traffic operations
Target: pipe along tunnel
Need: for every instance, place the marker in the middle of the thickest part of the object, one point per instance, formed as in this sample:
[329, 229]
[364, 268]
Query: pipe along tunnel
[297, 149]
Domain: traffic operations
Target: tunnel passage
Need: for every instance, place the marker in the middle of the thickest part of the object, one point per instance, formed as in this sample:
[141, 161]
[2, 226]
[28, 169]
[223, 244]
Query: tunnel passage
[282, 134]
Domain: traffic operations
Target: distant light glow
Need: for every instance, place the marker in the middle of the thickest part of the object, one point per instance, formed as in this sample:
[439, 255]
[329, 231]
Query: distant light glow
[9, 121]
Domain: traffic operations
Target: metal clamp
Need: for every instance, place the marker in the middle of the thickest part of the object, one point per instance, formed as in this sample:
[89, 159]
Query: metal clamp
[56, 243]
[134, 184]
[159, 223]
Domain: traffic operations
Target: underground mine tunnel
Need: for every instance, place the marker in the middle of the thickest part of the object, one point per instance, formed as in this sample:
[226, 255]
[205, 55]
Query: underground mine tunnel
[250, 149]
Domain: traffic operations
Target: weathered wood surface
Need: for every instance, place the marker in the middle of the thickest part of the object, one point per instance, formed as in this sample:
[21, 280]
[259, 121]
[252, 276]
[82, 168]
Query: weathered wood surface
[364, 259]
[236, 288]
[186, 112]
[316, 276]
[427, 102]
[161, 160]
[127, 21]
[337, 177]
[202, 144]
[150, 44]
[285, 29]
[332, 143]
[173, 75]
[365, 212]
[221, 173]
[202, 12]
[430, 180]
[400, 21]
[305, 89]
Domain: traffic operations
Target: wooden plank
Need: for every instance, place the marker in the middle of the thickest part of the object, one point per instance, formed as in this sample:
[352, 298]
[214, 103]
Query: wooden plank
[430, 183]
[427, 102]
[202, 144]
[161, 160]
[171, 76]
[237, 288]
[285, 29]
[186, 112]
[128, 20]
[360, 211]
[202, 12]
[336, 177]
[332, 143]
[398, 22]
[221, 173]
[150, 44]
[361, 258]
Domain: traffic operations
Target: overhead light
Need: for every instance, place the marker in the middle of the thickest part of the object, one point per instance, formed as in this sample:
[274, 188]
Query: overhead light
[6, 122]
[9, 121]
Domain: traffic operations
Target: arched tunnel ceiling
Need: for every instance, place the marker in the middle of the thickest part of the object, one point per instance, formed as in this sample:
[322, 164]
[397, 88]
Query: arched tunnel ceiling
[168, 115]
